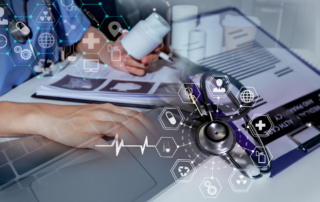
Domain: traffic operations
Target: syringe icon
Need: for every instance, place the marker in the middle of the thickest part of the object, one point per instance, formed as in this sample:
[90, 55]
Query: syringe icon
[91, 16]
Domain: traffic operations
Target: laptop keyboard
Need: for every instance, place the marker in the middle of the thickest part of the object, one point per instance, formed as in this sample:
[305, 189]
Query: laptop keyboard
[15, 152]
[3, 159]
[7, 174]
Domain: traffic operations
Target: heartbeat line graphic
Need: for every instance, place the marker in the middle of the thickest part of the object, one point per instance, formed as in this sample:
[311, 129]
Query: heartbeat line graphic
[118, 145]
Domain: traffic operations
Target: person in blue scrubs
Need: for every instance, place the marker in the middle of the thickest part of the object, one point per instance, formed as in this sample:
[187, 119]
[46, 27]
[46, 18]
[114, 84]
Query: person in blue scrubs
[84, 125]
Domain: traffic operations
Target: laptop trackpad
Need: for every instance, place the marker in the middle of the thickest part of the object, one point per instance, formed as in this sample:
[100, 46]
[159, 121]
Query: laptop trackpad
[121, 178]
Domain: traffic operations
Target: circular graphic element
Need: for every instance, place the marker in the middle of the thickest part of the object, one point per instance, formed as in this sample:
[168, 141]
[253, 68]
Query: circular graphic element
[207, 184]
[246, 96]
[17, 49]
[3, 41]
[26, 54]
[46, 40]
[212, 190]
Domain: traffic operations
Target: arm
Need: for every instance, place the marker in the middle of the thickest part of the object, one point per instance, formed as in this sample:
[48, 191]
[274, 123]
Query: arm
[22, 119]
[76, 126]
[128, 64]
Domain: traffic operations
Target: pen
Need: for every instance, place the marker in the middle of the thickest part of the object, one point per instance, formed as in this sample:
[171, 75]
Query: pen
[166, 57]
[161, 54]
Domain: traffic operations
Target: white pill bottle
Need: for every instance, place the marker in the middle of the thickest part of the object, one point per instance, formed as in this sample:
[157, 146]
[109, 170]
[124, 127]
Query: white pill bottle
[145, 36]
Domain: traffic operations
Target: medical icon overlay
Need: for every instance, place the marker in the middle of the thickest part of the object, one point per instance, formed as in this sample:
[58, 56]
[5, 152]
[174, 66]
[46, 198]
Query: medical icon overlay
[119, 144]
[91, 65]
[210, 187]
[166, 147]
[218, 86]
[183, 171]
[2, 20]
[72, 27]
[46, 40]
[259, 157]
[3, 41]
[238, 182]
[25, 54]
[185, 95]
[91, 41]
[69, 5]
[115, 53]
[171, 118]
[247, 96]
[260, 125]
[91, 16]
[114, 27]
[44, 16]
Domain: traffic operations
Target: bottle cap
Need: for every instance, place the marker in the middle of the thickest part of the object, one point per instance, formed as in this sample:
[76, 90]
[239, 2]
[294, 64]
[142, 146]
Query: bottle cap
[157, 26]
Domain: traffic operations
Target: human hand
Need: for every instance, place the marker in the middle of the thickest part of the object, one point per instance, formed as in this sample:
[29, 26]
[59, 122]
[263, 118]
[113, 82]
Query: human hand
[133, 66]
[84, 126]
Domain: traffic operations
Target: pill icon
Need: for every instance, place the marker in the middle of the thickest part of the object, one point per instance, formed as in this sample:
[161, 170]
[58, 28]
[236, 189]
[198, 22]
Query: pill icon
[171, 118]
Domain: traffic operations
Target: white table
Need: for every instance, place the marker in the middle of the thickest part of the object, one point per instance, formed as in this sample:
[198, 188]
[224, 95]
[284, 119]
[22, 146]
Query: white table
[300, 182]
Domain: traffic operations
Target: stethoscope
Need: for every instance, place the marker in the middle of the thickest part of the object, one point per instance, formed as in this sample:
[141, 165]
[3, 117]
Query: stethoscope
[21, 32]
[216, 137]
[69, 7]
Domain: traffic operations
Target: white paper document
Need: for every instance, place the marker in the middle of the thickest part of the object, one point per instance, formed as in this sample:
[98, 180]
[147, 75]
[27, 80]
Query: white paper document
[89, 80]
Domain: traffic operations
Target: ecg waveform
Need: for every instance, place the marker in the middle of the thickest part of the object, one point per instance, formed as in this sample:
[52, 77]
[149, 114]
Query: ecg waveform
[115, 143]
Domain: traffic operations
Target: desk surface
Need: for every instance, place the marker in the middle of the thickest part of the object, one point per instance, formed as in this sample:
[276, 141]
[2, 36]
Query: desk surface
[300, 182]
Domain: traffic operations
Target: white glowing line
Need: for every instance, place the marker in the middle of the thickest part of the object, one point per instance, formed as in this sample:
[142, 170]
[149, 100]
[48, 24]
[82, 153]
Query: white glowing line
[118, 146]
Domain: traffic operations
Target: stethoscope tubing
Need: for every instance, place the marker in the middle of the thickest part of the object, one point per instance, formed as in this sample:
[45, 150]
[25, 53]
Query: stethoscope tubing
[243, 114]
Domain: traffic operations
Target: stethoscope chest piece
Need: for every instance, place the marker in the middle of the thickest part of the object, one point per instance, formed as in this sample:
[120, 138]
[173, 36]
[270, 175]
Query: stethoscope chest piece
[216, 138]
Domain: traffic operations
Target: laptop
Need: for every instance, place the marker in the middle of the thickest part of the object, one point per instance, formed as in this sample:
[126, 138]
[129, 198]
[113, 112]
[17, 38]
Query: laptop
[36, 169]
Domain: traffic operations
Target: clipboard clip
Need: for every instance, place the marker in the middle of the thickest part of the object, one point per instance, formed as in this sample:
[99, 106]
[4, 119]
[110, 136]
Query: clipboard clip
[310, 144]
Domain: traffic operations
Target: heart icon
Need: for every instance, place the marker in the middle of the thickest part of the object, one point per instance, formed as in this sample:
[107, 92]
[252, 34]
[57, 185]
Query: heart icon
[41, 18]
[49, 18]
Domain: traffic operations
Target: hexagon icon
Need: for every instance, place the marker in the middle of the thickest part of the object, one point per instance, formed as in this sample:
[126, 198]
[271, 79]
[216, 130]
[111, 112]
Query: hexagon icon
[183, 171]
[260, 124]
[72, 27]
[166, 147]
[184, 95]
[21, 54]
[45, 41]
[90, 68]
[93, 42]
[117, 54]
[111, 24]
[259, 158]
[238, 182]
[210, 187]
[42, 18]
[171, 118]
[247, 96]
[94, 12]
[5, 39]
[218, 86]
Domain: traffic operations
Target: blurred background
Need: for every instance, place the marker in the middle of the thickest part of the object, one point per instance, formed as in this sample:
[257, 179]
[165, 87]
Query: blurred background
[293, 22]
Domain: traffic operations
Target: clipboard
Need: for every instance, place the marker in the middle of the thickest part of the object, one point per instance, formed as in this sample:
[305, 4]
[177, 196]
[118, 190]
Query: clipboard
[281, 65]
